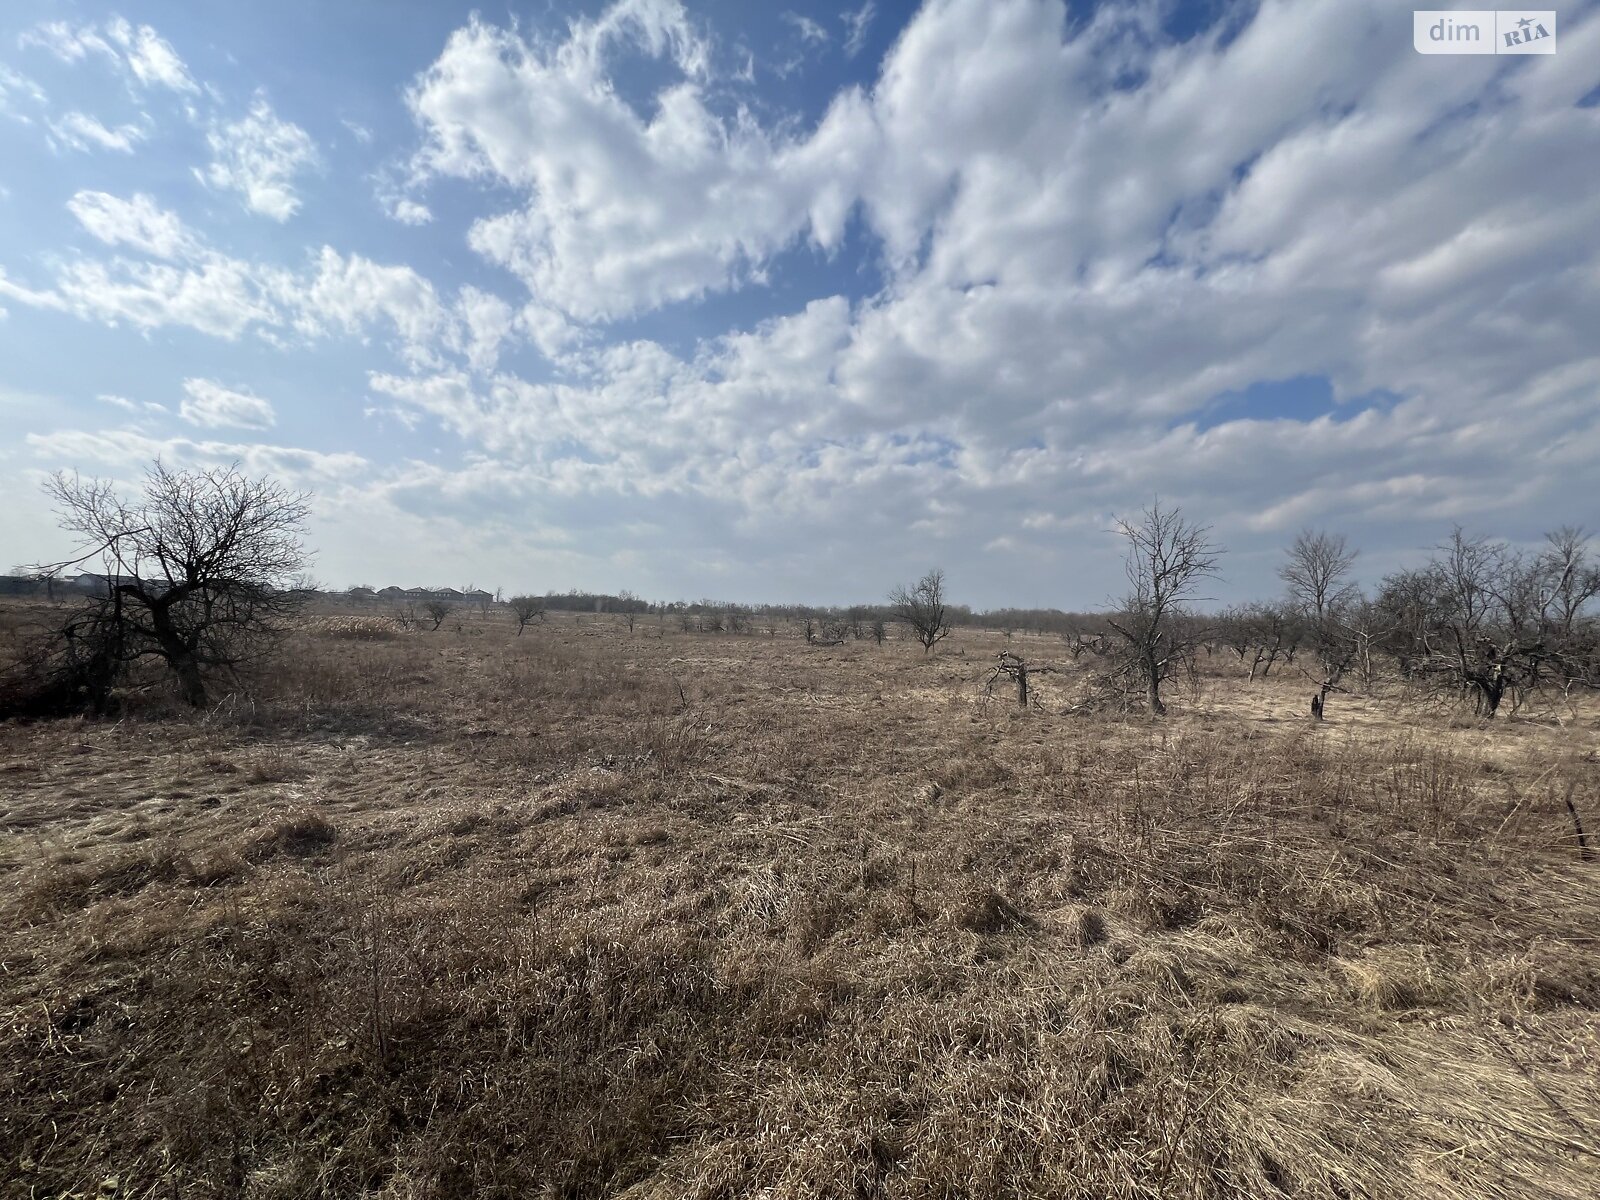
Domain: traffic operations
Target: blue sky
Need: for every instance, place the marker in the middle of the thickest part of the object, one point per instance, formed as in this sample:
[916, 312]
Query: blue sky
[767, 302]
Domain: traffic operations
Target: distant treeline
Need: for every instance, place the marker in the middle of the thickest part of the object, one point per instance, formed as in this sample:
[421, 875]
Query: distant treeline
[1019, 620]
[593, 602]
[1016, 620]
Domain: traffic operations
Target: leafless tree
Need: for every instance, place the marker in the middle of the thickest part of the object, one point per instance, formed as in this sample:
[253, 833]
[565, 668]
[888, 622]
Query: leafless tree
[200, 572]
[922, 607]
[1317, 574]
[1260, 634]
[1489, 622]
[835, 629]
[526, 610]
[1097, 644]
[1015, 668]
[1340, 626]
[1167, 557]
[437, 611]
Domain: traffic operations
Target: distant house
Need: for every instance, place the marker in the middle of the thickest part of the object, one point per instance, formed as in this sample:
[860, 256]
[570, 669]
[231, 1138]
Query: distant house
[448, 595]
[362, 593]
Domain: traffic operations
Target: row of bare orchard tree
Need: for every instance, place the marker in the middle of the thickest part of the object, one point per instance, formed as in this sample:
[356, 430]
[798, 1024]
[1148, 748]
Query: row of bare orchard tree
[1480, 621]
[200, 573]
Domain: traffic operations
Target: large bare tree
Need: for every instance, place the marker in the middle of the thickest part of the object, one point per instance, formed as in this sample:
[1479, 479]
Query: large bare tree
[922, 607]
[1166, 558]
[1317, 573]
[198, 572]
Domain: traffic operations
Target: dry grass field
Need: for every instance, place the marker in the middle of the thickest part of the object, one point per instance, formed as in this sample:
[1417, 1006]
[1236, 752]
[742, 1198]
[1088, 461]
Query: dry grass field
[593, 912]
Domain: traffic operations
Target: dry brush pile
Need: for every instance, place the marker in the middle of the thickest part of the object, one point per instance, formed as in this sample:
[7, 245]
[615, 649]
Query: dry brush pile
[580, 914]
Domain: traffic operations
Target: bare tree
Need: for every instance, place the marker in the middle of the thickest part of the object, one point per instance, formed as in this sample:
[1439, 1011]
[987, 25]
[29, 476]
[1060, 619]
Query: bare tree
[1097, 644]
[1317, 574]
[526, 610]
[1340, 625]
[1167, 557]
[1489, 622]
[199, 573]
[922, 608]
[1265, 632]
[437, 611]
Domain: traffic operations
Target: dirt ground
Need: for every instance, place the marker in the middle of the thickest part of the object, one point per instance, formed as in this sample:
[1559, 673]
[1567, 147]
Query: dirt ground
[655, 913]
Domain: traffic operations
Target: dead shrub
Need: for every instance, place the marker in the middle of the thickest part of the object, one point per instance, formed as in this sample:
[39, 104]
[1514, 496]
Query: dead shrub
[300, 834]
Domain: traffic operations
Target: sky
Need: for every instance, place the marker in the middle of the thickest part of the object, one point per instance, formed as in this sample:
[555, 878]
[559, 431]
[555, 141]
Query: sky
[760, 303]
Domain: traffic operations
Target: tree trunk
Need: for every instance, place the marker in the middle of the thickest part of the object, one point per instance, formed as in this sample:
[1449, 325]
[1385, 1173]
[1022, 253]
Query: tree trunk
[178, 655]
[1157, 707]
[190, 684]
[1489, 696]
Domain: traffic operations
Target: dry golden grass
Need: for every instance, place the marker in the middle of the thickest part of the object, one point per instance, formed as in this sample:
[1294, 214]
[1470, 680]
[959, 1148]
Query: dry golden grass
[371, 627]
[586, 913]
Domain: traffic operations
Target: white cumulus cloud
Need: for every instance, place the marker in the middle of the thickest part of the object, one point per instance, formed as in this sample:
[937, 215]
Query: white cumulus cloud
[259, 157]
[150, 57]
[138, 223]
[79, 131]
[410, 212]
[139, 51]
[208, 404]
[622, 212]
